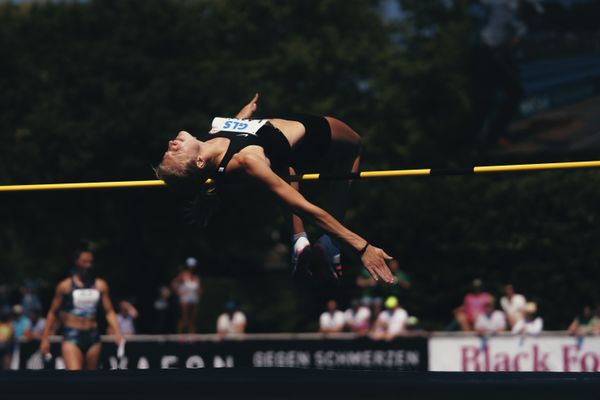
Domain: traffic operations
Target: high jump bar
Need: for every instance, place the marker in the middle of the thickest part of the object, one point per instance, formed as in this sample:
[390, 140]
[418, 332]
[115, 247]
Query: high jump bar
[313, 177]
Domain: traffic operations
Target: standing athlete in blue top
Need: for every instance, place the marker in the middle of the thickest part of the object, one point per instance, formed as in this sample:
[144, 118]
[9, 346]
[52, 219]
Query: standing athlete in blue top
[76, 302]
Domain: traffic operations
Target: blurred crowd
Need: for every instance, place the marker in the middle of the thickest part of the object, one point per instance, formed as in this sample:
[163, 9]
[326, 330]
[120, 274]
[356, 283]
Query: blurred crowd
[385, 318]
[378, 312]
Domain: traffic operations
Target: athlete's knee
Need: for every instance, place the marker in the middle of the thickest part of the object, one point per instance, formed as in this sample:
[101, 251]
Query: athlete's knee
[343, 133]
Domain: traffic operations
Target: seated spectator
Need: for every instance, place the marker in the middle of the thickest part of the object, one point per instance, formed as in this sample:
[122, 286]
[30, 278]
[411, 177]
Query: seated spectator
[6, 339]
[332, 320]
[512, 304]
[531, 323]
[37, 325]
[473, 305]
[490, 321]
[391, 322]
[20, 322]
[596, 329]
[126, 318]
[583, 324]
[232, 321]
[358, 318]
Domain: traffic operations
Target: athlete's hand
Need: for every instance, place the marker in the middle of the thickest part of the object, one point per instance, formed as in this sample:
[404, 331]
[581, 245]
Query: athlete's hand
[374, 259]
[249, 109]
[45, 346]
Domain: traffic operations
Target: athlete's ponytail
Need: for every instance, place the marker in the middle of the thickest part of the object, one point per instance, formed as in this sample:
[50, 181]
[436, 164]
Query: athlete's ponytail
[199, 200]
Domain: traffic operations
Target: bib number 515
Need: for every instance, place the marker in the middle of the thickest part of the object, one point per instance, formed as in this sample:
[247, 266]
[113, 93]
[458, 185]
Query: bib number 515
[235, 125]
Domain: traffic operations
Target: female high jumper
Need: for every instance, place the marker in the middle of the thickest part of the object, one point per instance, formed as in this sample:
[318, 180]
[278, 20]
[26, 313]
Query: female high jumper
[264, 150]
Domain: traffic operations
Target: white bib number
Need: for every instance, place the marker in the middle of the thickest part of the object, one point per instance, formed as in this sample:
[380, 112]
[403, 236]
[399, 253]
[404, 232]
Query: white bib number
[86, 299]
[249, 126]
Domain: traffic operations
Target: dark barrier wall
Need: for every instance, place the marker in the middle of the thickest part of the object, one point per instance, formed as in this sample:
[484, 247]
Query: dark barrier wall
[406, 354]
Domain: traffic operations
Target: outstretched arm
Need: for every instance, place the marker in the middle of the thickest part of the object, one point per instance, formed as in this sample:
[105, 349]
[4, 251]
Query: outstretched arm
[373, 258]
[247, 111]
[51, 317]
[111, 316]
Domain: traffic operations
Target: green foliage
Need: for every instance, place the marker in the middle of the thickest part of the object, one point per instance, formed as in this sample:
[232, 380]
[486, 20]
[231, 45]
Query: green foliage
[92, 91]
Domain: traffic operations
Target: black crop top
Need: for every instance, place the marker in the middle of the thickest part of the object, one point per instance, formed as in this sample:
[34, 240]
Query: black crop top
[272, 140]
[82, 301]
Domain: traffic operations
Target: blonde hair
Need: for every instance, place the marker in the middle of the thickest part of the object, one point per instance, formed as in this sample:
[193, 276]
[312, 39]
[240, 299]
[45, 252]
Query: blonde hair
[178, 173]
[199, 200]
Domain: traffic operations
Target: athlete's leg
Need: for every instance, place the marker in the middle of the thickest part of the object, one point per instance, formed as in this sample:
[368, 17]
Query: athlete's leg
[297, 224]
[301, 252]
[93, 356]
[193, 317]
[4, 360]
[182, 325]
[342, 158]
[72, 356]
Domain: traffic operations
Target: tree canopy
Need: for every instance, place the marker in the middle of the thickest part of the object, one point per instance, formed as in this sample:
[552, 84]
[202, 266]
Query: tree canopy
[92, 90]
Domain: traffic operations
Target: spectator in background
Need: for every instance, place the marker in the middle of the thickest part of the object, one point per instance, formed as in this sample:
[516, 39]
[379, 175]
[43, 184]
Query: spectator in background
[473, 305]
[596, 329]
[20, 322]
[376, 309]
[232, 321]
[126, 318]
[391, 322]
[161, 310]
[188, 287]
[6, 338]
[584, 323]
[531, 323]
[37, 325]
[490, 321]
[31, 299]
[332, 320]
[358, 317]
[512, 304]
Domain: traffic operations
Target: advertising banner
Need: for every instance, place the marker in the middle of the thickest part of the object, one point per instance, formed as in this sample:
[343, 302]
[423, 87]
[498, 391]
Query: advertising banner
[407, 354]
[514, 353]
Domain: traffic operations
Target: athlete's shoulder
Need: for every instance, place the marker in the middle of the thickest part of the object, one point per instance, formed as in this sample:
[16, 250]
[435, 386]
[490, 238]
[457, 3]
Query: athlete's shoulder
[101, 284]
[64, 286]
[251, 160]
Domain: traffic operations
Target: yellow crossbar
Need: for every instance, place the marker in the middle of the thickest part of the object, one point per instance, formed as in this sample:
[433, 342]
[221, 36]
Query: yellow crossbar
[312, 177]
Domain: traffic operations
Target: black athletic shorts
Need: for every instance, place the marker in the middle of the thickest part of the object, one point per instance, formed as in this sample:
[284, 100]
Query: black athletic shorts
[308, 155]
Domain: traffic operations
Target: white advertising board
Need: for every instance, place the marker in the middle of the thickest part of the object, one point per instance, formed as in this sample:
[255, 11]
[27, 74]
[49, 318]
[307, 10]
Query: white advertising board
[514, 353]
